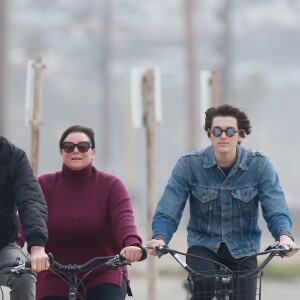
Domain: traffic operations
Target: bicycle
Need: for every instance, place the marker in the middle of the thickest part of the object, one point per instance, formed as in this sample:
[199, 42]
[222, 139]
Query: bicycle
[69, 273]
[225, 284]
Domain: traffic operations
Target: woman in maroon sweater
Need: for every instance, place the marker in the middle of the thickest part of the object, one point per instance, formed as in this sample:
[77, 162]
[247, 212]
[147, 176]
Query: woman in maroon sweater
[89, 215]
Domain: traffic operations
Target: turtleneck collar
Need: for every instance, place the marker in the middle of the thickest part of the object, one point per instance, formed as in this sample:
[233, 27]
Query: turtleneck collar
[77, 177]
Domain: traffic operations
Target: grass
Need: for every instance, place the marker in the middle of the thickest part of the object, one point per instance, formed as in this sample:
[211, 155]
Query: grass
[285, 271]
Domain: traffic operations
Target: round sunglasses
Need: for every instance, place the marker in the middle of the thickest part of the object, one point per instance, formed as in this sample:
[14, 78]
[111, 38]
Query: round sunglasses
[229, 131]
[82, 147]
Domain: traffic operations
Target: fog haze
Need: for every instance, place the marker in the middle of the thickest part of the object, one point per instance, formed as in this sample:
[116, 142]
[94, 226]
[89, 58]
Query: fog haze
[87, 49]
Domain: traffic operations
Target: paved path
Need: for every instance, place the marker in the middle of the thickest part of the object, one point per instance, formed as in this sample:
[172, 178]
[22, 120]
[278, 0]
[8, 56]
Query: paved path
[172, 288]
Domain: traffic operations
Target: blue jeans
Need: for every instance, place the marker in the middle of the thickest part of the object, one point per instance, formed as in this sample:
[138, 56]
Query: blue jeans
[23, 286]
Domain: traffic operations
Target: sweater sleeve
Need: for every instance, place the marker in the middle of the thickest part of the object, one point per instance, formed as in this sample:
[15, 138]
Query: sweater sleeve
[122, 217]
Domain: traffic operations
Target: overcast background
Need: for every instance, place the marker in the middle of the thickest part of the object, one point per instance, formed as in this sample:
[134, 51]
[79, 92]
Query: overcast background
[89, 48]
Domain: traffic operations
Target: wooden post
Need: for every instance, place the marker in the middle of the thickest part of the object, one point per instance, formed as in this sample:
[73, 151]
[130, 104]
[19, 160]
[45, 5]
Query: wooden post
[150, 123]
[38, 65]
[209, 96]
[227, 51]
[215, 88]
[146, 110]
[106, 109]
[191, 75]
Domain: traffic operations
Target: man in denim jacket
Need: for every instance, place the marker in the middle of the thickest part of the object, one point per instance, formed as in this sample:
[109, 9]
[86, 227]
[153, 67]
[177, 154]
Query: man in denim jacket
[225, 183]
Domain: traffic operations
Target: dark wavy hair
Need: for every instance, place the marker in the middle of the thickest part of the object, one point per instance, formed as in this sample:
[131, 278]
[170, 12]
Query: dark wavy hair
[78, 128]
[227, 110]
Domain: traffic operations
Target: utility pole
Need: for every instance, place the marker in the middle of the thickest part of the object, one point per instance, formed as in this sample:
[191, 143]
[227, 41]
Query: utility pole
[146, 110]
[191, 74]
[227, 51]
[3, 29]
[33, 106]
[150, 124]
[106, 86]
[215, 85]
[210, 91]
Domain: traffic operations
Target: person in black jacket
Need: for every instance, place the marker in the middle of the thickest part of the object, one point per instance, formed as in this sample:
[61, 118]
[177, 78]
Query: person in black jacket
[20, 196]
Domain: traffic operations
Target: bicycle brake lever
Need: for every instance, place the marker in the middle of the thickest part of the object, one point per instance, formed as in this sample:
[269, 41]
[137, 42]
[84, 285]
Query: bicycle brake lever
[18, 269]
[115, 265]
[21, 266]
[116, 262]
[286, 247]
[282, 248]
[161, 250]
[272, 246]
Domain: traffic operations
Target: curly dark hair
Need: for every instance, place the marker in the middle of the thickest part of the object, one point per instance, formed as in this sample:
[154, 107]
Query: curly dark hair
[227, 110]
[78, 128]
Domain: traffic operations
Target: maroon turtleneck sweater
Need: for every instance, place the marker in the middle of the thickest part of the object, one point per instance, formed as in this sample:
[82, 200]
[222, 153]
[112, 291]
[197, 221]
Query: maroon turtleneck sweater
[89, 215]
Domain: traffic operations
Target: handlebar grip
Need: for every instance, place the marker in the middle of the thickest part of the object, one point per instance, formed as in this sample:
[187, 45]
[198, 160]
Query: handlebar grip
[28, 264]
[289, 248]
[51, 259]
[144, 254]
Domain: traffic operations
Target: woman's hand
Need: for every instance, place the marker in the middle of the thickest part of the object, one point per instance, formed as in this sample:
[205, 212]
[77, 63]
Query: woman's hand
[131, 253]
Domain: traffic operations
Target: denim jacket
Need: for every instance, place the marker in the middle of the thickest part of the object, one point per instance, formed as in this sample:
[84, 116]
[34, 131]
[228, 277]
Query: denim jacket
[223, 209]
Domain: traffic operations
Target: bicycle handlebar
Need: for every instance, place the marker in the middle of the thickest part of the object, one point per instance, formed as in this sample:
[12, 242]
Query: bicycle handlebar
[112, 262]
[275, 249]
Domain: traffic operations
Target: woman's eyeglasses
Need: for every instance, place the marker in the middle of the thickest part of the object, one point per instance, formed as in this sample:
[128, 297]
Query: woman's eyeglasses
[229, 131]
[82, 147]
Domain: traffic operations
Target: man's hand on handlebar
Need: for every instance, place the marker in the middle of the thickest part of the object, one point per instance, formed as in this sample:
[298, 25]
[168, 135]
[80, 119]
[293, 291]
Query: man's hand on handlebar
[39, 259]
[154, 243]
[286, 240]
